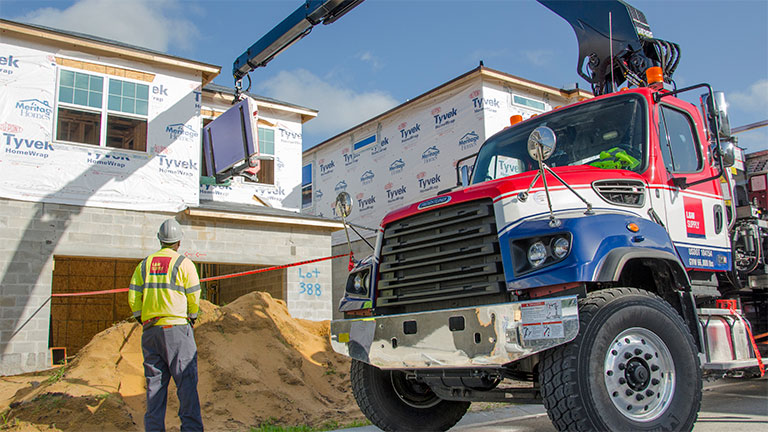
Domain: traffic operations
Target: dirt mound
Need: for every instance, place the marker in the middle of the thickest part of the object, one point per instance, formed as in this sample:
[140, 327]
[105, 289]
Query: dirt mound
[256, 364]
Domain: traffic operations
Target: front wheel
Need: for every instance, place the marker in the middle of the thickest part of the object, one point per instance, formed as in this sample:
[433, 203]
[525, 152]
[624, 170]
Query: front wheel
[393, 402]
[632, 367]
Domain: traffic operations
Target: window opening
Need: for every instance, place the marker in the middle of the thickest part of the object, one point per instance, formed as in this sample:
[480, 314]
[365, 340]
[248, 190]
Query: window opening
[679, 147]
[528, 102]
[306, 185]
[265, 159]
[83, 117]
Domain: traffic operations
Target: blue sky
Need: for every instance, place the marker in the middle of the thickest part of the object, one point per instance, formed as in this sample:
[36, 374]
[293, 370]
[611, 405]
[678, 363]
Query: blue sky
[385, 52]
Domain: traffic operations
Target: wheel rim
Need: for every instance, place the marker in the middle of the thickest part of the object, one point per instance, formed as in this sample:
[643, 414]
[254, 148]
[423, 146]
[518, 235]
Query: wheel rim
[412, 392]
[639, 374]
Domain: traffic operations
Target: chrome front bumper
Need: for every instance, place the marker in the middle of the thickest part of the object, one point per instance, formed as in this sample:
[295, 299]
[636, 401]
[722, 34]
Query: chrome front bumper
[480, 336]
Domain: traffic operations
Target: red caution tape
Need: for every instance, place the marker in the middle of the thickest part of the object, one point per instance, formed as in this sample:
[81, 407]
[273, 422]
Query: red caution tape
[271, 268]
[89, 293]
[732, 308]
[213, 278]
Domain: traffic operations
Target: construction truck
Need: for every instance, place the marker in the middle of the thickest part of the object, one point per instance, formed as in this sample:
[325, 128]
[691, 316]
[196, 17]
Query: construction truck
[591, 258]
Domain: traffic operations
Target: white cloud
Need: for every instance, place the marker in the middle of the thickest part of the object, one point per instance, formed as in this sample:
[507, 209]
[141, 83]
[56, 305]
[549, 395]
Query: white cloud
[154, 24]
[539, 57]
[754, 99]
[369, 58]
[339, 108]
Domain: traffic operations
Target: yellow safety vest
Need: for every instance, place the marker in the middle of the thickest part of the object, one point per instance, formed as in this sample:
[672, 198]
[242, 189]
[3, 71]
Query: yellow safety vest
[165, 288]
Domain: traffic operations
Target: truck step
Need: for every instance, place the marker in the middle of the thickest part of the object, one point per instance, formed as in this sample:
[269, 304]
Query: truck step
[734, 364]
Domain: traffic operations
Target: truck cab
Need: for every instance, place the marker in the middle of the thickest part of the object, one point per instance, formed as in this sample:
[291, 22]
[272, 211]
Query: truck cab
[610, 235]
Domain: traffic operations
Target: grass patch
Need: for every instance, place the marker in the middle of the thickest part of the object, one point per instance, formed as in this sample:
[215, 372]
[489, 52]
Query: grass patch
[270, 426]
[57, 375]
[6, 421]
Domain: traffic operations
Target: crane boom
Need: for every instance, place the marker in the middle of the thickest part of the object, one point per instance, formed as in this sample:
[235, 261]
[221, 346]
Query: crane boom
[615, 40]
[289, 31]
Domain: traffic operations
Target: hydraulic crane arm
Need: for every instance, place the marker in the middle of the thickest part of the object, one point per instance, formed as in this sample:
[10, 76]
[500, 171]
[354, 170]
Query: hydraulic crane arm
[615, 43]
[289, 31]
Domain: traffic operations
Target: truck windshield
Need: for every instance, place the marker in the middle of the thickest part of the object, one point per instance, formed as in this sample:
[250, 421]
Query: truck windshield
[608, 133]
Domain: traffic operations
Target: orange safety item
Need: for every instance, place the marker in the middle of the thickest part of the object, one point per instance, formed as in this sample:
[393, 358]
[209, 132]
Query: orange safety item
[515, 119]
[654, 75]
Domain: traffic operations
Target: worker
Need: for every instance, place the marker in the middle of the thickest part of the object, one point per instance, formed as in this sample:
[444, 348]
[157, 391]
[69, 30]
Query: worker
[164, 296]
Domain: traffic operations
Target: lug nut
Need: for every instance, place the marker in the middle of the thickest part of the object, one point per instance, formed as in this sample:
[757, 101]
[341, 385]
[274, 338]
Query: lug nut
[649, 393]
[622, 381]
[629, 392]
[647, 356]
[638, 351]
[627, 356]
[654, 368]
[621, 366]
[639, 397]
[655, 381]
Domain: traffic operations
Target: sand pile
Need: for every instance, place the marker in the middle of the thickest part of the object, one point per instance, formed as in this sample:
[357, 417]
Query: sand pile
[256, 364]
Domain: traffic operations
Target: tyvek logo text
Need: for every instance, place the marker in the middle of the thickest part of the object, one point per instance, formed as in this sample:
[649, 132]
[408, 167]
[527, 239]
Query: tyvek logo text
[365, 203]
[326, 168]
[27, 146]
[444, 118]
[409, 133]
[428, 183]
[170, 165]
[395, 193]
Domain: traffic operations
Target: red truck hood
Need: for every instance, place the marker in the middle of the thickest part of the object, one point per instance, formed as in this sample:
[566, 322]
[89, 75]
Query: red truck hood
[575, 176]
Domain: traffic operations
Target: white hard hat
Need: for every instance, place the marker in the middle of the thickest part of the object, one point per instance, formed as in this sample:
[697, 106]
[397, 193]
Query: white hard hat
[169, 232]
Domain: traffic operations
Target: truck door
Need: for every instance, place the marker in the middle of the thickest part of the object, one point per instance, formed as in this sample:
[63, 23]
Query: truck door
[695, 216]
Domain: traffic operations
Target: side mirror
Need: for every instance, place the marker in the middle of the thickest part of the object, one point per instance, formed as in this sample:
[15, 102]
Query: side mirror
[717, 114]
[728, 153]
[342, 207]
[464, 170]
[541, 143]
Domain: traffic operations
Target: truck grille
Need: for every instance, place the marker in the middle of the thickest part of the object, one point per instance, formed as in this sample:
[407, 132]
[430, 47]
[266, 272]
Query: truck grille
[447, 257]
[622, 192]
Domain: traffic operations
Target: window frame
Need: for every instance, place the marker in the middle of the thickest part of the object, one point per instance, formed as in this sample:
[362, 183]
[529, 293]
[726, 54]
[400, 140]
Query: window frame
[694, 133]
[517, 104]
[104, 112]
[265, 157]
[308, 186]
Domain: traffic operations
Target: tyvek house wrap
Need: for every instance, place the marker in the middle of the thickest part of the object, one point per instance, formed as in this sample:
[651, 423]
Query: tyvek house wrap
[35, 167]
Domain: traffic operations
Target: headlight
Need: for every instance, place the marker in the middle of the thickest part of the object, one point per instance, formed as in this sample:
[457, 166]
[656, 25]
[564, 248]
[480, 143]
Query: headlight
[560, 247]
[358, 283]
[537, 254]
[534, 253]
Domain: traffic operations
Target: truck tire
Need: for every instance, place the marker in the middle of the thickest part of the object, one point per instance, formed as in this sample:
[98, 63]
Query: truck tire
[632, 367]
[394, 403]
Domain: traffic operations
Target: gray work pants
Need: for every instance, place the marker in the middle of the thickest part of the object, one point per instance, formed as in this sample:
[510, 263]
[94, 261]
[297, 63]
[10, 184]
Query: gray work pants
[170, 351]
